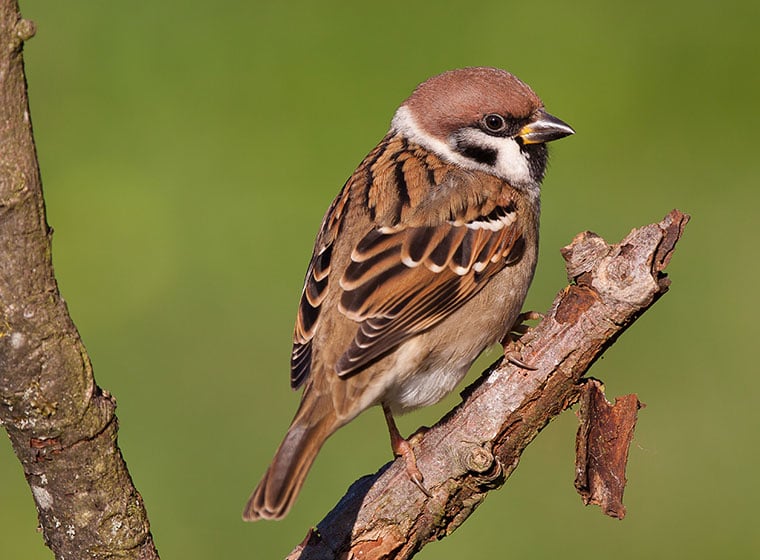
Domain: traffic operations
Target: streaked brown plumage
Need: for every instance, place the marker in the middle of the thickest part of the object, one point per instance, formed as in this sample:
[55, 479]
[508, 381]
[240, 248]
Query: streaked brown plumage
[423, 260]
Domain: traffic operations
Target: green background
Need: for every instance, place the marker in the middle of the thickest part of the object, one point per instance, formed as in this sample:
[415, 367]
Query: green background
[189, 149]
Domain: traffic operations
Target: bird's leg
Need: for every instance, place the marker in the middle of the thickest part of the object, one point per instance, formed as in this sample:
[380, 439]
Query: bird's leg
[402, 448]
[516, 333]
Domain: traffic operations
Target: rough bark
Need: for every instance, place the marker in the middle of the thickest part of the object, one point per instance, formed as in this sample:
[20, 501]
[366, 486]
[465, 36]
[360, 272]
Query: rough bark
[601, 447]
[62, 426]
[475, 448]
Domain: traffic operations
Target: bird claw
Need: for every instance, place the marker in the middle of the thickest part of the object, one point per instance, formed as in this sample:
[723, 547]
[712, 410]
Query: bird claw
[516, 333]
[402, 448]
[520, 363]
[416, 477]
[520, 328]
[405, 450]
[529, 316]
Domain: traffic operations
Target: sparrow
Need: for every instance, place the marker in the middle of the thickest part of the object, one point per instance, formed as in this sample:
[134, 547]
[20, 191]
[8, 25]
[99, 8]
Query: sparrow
[423, 260]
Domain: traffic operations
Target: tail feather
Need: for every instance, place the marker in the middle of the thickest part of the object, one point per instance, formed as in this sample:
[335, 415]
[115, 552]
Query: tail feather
[278, 489]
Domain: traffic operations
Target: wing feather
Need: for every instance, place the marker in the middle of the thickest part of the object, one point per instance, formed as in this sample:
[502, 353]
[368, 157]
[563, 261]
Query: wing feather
[315, 289]
[425, 274]
[434, 236]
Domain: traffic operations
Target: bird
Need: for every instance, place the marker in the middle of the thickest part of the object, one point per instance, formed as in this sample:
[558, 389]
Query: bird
[422, 261]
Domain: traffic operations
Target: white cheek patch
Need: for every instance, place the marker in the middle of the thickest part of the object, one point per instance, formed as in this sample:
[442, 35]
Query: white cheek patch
[511, 163]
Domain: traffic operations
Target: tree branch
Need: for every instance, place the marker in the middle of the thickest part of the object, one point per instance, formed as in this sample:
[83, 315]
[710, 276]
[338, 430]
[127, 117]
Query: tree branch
[62, 426]
[475, 448]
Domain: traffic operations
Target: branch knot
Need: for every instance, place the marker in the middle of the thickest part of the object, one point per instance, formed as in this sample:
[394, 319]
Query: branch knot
[25, 29]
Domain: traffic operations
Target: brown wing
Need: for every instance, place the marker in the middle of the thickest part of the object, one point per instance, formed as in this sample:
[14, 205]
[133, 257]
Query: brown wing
[315, 290]
[435, 235]
[401, 282]
[316, 283]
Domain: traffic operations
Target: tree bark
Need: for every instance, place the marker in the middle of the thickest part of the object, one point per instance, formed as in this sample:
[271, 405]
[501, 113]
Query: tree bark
[61, 424]
[475, 448]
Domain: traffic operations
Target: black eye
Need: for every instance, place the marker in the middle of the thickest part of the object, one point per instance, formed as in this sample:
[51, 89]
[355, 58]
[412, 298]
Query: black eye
[494, 122]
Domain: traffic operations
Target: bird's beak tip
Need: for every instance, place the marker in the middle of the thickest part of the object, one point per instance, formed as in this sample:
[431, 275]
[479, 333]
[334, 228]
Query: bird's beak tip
[544, 128]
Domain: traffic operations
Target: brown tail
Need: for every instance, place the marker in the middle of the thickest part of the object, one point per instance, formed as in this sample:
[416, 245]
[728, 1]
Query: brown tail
[280, 485]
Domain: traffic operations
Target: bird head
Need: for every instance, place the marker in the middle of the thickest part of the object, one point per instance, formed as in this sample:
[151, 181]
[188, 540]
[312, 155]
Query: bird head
[483, 119]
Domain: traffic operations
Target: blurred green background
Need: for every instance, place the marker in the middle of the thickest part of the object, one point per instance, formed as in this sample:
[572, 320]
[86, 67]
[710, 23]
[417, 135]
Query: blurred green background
[188, 152]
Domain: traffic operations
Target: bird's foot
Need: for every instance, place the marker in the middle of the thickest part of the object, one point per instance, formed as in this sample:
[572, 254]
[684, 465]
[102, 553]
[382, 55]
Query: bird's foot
[515, 334]
[520, 328]
[403, 448]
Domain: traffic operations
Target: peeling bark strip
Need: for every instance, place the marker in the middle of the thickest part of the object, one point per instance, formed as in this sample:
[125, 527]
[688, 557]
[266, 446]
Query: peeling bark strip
[601, 447]
[62, 426]
[476, 447]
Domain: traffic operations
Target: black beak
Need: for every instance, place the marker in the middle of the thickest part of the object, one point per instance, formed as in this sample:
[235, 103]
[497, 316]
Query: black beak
[544, 128]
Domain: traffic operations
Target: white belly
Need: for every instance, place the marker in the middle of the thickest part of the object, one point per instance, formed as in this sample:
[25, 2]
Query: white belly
[431, 381]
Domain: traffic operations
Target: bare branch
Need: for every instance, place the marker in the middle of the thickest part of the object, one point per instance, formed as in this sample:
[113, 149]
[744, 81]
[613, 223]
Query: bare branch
[476, 447]
[62, 426]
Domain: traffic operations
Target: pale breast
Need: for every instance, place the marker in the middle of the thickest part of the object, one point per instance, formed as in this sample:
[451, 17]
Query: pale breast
[430, 366]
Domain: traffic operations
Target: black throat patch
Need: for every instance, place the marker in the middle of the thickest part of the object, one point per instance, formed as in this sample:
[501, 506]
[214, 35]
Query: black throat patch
[538, 155]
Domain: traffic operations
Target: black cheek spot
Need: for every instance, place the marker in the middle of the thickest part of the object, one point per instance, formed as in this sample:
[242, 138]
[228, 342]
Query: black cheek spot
[486, 156]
